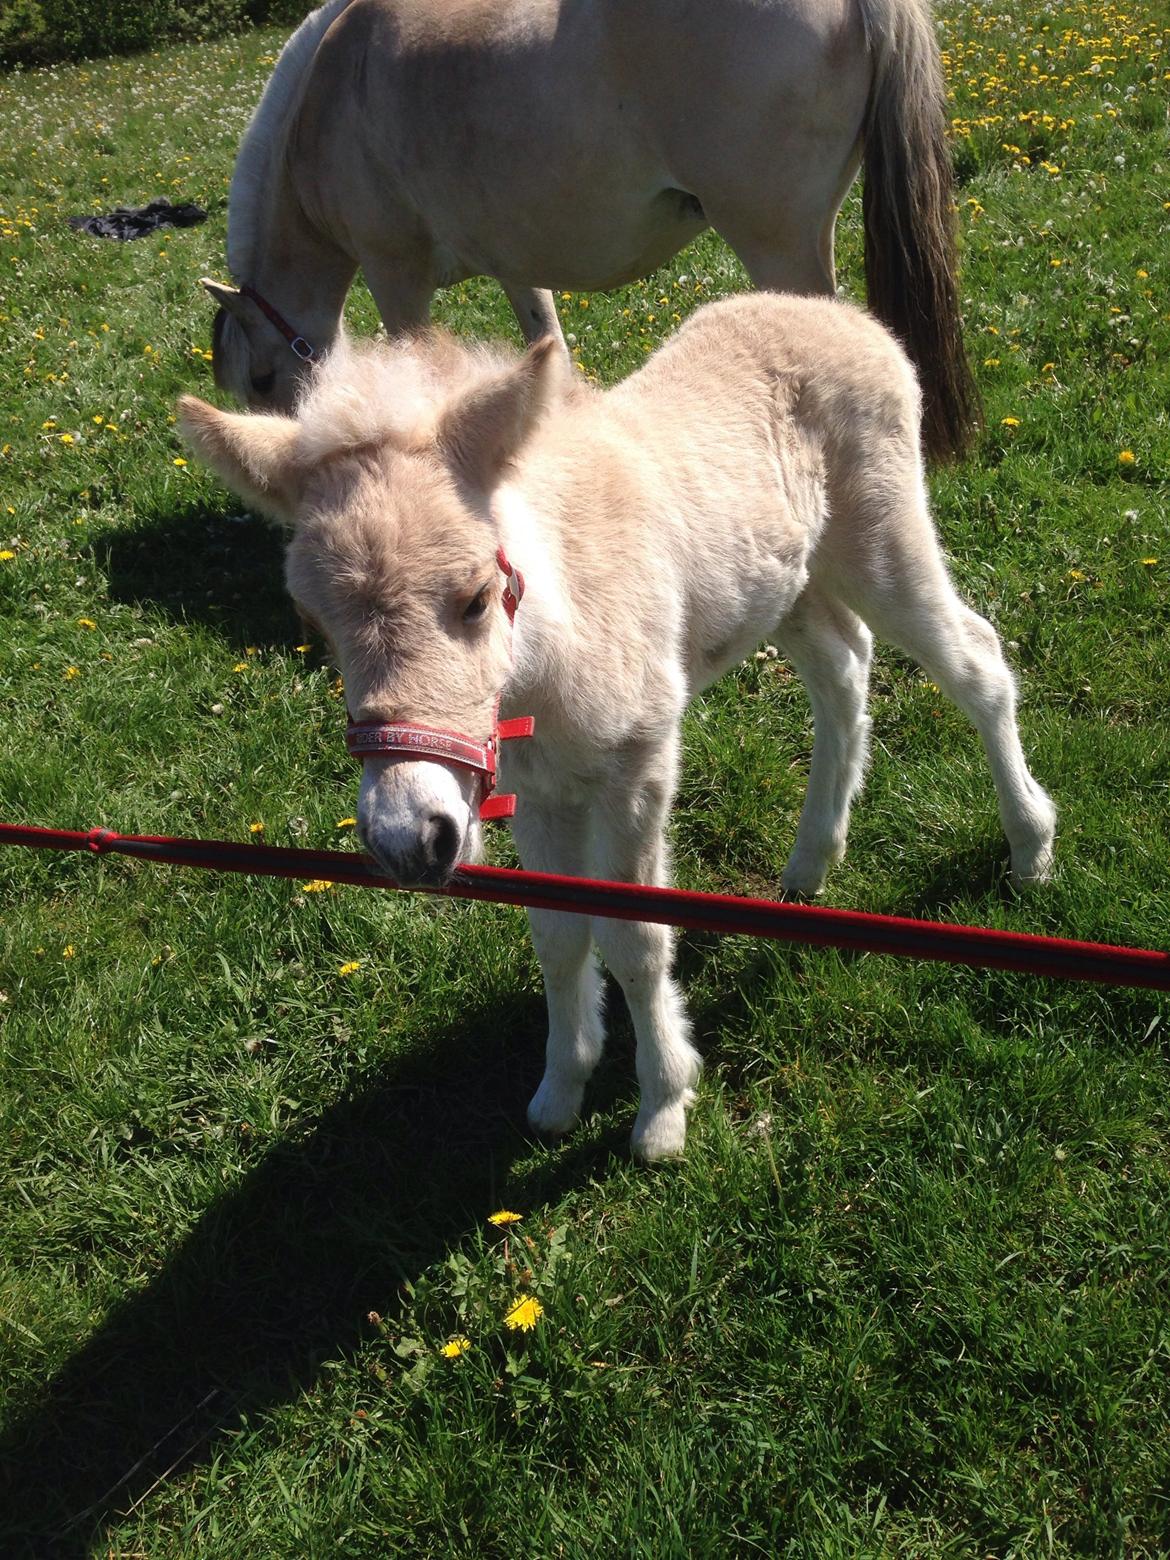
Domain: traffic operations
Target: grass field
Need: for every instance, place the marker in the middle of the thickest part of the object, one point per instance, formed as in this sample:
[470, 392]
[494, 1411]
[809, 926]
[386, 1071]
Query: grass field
[909, 1291]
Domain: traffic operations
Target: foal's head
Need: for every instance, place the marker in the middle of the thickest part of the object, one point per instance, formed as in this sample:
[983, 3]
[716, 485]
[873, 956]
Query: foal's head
[385, 477]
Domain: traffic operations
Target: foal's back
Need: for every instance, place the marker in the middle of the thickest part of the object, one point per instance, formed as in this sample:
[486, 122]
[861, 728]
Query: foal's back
[819, 363]
[762, 417]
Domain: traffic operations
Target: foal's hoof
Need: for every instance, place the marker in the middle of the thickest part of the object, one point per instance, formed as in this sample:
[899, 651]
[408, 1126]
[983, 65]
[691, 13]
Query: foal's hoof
[662, 1134]
[1032, 861]
[803, 879]
[553, 1112]
[1032, 870]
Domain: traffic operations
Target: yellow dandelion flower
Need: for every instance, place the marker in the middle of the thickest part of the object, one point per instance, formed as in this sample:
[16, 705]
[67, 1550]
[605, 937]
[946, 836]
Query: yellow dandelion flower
[454, 1347]
[525, 1314]
[317, 886]
[6, 553]
[66, 438]
[347, 823]
[240, 666]
[256, 828]
[350, 968]
[505, 1216]
[86, 623]
[178, 461]
[1075, 574]
[1126, 458]
[1009, 422]
[49, 422]
[302, 649]
[1148, 563]
[68, 951]
[71, 672]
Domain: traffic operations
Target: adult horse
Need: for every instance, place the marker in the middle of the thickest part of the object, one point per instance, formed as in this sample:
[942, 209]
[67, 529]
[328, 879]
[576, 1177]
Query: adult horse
[580, 144]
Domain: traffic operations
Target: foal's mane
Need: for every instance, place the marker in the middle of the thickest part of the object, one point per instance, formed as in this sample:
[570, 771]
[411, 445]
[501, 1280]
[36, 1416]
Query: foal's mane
[373, 393]
[264, 139]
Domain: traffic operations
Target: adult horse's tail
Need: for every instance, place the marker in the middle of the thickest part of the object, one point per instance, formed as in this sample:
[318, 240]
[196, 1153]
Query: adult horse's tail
[911, 262]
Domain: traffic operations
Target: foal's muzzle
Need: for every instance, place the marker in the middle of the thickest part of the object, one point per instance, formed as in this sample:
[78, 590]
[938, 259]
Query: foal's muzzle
[416, 819]
[426, 788]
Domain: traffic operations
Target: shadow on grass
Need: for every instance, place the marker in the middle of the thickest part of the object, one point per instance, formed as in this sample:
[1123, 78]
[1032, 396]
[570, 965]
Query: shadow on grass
[281, 1273]
[222, 569]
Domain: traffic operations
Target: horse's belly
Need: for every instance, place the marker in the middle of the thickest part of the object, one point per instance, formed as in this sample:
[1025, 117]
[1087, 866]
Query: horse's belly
[572, 239]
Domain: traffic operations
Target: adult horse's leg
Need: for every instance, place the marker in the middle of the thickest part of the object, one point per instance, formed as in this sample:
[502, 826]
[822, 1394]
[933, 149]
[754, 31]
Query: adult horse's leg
[553, 839]
[830, 647]
[786, 242]
[536, 312]
[402, 286]
[630, 846]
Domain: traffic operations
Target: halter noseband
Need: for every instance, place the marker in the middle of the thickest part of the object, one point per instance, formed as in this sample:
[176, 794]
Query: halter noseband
[296, 341]
[405, 739]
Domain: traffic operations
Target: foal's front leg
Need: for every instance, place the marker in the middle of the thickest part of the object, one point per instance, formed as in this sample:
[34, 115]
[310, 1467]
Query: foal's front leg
[630, 846]
[553, 839]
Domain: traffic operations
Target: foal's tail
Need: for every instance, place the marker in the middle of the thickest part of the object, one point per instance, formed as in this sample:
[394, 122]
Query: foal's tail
[911, 261]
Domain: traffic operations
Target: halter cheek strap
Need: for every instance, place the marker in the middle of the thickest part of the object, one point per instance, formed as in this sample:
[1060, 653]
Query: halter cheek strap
[405, 739]
[296, 341]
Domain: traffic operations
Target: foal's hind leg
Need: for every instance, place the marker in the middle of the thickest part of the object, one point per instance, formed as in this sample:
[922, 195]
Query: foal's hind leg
[893, 573]
[630, 846]
[830, 647]
[553, 839]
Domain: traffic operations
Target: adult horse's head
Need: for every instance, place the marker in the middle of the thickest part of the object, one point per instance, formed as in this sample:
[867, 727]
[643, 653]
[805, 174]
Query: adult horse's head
[257, 356]
[385, 476]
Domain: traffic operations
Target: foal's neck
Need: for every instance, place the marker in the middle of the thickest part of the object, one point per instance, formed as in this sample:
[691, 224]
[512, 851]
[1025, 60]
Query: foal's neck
[531, 541]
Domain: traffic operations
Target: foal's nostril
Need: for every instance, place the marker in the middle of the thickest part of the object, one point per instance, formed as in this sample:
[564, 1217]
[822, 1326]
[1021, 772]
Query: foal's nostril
[440, 842]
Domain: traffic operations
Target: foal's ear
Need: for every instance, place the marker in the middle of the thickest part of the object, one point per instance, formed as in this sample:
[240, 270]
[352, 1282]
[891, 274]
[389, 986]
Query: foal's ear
[486, 428]
[255, 455]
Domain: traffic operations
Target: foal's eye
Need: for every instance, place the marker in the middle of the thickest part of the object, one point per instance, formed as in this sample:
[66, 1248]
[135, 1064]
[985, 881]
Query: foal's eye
[263, 384]
[477, 607]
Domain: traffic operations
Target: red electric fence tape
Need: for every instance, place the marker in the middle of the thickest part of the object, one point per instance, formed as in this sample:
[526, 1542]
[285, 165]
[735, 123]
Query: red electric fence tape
[983, 947]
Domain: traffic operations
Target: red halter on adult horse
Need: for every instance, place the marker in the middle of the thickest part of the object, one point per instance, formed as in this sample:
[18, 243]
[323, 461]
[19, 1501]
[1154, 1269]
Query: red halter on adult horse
[580, 144]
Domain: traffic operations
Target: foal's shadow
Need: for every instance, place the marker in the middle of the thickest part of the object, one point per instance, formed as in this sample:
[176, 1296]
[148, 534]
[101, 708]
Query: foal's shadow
[221, 568]
[281, 1273]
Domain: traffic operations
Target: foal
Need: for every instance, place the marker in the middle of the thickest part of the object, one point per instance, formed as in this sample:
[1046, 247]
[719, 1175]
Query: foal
[760, 475]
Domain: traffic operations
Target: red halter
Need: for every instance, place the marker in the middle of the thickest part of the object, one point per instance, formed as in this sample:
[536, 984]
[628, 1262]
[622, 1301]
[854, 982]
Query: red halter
[370, 738]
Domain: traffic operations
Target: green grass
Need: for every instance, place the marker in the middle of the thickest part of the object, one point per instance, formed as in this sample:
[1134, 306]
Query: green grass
[907, 1293]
